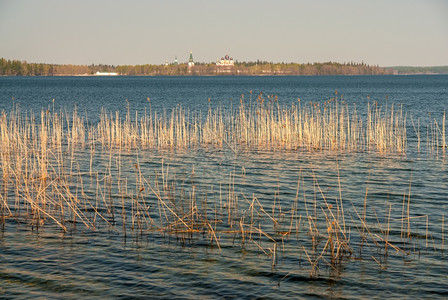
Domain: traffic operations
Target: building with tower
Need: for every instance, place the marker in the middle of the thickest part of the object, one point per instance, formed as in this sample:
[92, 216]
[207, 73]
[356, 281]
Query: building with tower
[225, 61]
[190, 61]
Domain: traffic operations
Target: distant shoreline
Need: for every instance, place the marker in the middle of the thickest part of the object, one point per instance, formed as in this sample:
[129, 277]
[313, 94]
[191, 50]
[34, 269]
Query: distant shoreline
[258, 68]
[224, 75]
[410, 70]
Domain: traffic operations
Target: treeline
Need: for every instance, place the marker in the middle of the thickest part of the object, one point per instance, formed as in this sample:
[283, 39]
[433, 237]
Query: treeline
[327, 68]
[419, 70]
[22, 68]
[255, 68]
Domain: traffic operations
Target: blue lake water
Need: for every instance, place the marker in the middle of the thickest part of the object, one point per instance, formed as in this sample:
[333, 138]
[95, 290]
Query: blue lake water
[112, 262]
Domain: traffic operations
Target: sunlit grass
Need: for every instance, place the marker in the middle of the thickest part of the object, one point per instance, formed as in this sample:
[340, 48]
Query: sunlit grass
[50, 174]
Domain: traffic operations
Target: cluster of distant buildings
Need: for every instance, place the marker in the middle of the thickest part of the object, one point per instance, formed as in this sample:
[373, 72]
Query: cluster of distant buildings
[225, 61]
[224, 64]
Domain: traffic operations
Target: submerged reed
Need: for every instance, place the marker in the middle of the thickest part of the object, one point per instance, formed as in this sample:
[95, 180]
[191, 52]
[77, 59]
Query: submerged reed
[50, 175]
[265, 125]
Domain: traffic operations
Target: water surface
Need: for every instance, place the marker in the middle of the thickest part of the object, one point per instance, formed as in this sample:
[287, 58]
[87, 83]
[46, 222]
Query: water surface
[106, 263]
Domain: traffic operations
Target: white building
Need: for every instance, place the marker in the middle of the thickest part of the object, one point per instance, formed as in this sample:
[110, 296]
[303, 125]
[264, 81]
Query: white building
[225, 61]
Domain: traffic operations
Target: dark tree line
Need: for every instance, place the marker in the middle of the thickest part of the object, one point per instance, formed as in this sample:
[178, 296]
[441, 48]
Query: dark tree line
[23, 68]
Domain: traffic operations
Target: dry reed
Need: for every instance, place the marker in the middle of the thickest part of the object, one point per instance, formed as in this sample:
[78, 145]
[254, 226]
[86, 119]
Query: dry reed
[46, 176]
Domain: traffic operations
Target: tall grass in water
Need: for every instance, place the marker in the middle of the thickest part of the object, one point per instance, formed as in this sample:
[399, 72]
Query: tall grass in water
[265, 124]
[50, 175]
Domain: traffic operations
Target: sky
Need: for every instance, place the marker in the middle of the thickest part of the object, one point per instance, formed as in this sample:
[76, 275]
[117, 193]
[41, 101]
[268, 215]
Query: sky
[380, 32]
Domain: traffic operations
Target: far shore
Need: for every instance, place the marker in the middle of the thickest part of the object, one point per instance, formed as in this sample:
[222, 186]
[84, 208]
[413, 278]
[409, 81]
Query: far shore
[220, 75]
[257, 68]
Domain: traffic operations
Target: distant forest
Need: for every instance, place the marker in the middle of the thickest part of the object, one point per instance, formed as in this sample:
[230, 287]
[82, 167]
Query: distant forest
[419, 70]
[23, 68]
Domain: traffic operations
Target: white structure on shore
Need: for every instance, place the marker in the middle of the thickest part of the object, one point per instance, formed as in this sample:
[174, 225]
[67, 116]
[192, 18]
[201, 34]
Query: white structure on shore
[98, 73]
[225, 61]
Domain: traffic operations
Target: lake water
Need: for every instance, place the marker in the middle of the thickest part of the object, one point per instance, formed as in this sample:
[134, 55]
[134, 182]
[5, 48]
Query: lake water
[401, 198]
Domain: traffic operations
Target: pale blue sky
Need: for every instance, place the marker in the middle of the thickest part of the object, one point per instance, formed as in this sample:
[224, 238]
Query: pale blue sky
[383, 32]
